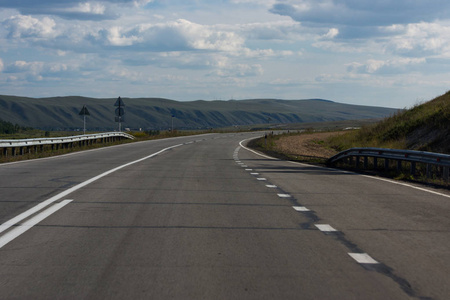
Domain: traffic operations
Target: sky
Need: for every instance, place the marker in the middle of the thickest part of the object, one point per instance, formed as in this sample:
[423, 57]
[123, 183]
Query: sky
[368, 52]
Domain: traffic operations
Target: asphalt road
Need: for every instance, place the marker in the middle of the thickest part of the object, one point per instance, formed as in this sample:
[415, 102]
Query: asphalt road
[204, 218]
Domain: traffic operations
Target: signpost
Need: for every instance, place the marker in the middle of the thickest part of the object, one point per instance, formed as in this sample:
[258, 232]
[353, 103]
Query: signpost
[84, 112]
[119, 112]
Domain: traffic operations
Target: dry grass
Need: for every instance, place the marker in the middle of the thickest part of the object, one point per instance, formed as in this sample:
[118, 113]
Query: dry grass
[307, 144]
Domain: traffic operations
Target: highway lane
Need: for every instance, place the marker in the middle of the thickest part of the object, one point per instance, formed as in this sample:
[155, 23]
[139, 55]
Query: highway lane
[209, 219]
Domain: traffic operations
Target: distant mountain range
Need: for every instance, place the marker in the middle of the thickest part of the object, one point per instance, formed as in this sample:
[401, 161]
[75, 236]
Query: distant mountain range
[62, 113]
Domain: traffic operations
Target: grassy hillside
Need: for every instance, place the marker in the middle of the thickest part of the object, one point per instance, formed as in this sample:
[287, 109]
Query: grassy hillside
[61, 113]
[424, 127]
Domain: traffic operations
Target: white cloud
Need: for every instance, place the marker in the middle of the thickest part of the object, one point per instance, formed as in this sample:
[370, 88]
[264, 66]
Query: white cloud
[174, 36]
[332, 33]
[88, 8]
[421, 39]
[400, 65]
[239, 70]
[280, 30]
[1, 65]
[39, 69]
[28, 27]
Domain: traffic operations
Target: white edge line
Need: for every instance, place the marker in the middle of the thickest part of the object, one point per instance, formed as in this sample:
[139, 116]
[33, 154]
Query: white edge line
[11, 235]
[47, 202]
[248, 149]
[347, 172]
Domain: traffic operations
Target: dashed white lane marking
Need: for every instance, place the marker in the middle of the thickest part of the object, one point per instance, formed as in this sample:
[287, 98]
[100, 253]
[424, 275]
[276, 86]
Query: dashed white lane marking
[271, 186]
[261, 179]
[284, 195]
[346, 172]
[12, 234]
[248, 169]
[363, 258]
[300, 208]
[244, 166]
[325, 228]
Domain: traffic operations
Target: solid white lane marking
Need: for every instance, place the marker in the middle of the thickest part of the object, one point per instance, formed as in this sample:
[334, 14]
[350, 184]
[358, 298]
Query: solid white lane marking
[261, 179]
[265, 156]
[271, 186]
[284, 195]
[47, 202]
[325, 227]
[363, 258]
[300, 208]
[407, 185]
[11, 235]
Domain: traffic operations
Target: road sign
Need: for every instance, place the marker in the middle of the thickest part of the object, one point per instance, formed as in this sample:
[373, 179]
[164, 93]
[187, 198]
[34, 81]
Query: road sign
[84, 111]
[120, 111]
[119, 102]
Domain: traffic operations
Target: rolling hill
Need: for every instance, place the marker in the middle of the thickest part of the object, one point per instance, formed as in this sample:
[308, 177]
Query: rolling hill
[61, 113]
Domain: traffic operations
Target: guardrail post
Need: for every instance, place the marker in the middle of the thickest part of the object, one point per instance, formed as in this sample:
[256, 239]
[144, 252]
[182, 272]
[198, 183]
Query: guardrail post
[429, 170]
[413, 168]
[5, 151]
[386, 164]
[13, 151]
[446, 173]
[21, 151]
[357, 161]
[375, 163]
[399, 165]
[366, 162]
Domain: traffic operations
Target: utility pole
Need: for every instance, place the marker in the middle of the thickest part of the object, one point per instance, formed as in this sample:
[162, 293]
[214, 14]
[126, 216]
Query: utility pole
[119, 112]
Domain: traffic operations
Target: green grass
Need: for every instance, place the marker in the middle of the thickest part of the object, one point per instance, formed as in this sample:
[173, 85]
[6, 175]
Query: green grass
[424, 127]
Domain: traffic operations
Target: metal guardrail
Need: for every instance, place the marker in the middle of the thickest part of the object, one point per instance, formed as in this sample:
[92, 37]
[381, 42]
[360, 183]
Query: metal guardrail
[441, 162]
[61, 140]
[70, 140]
